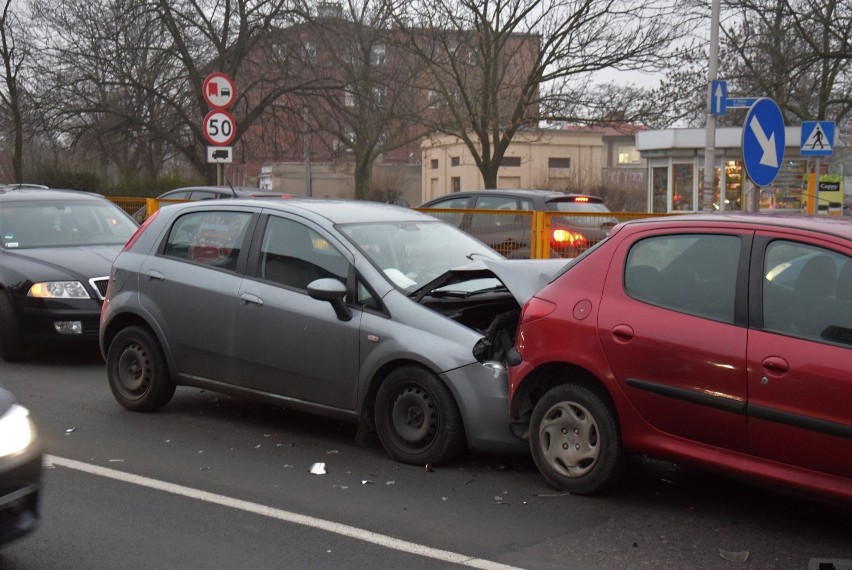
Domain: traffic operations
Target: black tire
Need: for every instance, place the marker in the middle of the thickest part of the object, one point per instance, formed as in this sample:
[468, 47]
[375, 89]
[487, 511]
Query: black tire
[11, 344]
[417, 419]
[575, 440]
[137, 371]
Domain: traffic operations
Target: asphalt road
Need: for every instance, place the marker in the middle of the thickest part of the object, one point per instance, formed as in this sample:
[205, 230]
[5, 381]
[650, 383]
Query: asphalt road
[217, 482]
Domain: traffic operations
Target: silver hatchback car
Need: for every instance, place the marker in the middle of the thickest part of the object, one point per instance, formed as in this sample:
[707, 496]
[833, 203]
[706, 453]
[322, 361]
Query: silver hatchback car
[359, 311]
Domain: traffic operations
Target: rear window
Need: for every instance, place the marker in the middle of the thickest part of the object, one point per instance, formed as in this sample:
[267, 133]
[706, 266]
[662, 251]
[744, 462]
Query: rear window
[583, 204]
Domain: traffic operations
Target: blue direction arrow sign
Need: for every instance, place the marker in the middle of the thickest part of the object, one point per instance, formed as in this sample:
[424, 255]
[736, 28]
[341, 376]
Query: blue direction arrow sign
[817, 138]
[763, 141]
[718, 95]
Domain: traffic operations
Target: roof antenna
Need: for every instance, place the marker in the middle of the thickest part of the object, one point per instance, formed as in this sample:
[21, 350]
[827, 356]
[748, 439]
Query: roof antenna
[234, 192]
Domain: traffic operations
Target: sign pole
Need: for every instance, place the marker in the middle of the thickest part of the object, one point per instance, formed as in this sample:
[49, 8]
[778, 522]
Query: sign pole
[709, 186]
[813, 187]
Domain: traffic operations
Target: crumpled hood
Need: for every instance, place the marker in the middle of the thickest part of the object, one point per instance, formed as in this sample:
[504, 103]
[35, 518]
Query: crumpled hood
[523, 277]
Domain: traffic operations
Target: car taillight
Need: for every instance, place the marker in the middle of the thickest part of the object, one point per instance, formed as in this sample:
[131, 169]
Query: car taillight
[563, 237]
[135, 237]
[535, 309]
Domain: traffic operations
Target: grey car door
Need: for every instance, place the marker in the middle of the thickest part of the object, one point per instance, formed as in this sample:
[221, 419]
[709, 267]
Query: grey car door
[288, 343]
[191, 288]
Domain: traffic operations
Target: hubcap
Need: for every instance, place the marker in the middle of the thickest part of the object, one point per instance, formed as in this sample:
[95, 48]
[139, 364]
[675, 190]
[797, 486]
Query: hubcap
[569, 439]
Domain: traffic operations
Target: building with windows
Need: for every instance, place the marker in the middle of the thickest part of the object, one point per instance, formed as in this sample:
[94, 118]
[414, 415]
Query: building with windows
[568, 158]
[675, 168]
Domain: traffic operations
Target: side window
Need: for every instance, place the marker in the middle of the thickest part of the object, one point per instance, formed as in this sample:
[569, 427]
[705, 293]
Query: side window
[211, 238]
[453, 218]
[204, 195]
[293, 254]
[507, 203]
[690, 273]
[366, 298]
[807, 292]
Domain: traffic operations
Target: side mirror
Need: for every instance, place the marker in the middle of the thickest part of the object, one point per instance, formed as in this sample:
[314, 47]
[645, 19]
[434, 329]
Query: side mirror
[334, 292]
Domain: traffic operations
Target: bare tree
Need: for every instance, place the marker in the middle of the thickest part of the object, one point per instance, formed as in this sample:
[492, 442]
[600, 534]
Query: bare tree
[14, 53]
[498, 67]
[126, 76]
[357, 87]
[798, 52]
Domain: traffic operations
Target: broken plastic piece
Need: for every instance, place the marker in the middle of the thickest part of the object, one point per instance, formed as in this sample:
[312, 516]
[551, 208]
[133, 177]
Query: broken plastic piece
[318, 468]
[734, 556]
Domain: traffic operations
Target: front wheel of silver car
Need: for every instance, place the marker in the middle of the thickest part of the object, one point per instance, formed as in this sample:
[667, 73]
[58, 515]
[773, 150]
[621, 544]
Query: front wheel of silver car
[137, 371]
[417, 419]
[575, 440]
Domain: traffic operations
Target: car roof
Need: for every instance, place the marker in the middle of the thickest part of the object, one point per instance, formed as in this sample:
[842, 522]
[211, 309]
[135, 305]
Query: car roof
[46, 195]
[833, 225]
[516, 192]
[239, 190]
[334, 210]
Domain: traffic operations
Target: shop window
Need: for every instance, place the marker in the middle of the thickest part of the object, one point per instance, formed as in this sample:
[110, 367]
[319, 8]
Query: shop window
[682, 190]
[659, 189]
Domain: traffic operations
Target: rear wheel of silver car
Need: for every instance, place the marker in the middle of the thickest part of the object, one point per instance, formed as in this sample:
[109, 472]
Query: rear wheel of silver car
[575, 441]
[11, 344]
[417, 419]
[137, 371]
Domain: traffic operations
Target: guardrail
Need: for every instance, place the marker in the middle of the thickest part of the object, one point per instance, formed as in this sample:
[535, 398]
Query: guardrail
[521, 234]
[526, 234]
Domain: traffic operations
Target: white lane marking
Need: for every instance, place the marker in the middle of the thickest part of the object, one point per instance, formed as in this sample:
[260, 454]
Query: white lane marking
[287, 516]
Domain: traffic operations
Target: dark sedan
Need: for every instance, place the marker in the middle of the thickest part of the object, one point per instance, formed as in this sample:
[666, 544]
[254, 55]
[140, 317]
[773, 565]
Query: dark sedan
[56, 251]
[20, 469]
[584, 224]
[193, 193]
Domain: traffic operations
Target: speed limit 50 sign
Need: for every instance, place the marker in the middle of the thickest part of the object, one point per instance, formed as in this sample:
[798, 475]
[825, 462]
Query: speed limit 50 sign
[219, 128]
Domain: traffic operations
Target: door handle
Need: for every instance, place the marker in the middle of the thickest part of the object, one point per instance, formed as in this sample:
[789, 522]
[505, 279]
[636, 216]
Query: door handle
[622, 333]
[154, 275]
[249, 299]
[776, 364]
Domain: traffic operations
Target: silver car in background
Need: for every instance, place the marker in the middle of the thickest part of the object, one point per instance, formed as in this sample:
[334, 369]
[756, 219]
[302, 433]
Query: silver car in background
[358, 311]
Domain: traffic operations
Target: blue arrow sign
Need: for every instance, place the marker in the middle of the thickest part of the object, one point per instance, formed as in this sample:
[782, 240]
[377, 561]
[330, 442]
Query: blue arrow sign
[718, 95]
[817, 138]
[763, 141]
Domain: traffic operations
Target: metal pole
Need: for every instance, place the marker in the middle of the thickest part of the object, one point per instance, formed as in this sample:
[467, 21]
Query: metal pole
[710, 126]
[307, 149]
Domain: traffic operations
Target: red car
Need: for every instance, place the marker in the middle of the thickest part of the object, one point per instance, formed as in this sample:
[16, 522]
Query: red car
[723, 341]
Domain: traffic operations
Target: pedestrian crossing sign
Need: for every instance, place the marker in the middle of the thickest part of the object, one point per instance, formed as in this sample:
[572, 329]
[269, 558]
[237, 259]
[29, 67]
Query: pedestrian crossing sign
[817, 138]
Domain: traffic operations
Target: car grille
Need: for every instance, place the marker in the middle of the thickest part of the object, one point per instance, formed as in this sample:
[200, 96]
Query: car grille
[100, 284]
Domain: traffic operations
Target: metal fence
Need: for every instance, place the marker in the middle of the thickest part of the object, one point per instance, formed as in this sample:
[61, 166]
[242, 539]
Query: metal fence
[520, 234]
[526, 234]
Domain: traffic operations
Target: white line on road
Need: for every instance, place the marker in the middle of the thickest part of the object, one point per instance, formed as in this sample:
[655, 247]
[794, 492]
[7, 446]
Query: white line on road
[328, 526]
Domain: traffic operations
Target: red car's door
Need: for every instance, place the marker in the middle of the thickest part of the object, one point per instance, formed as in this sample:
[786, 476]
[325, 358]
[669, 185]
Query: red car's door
[800, 355]
[675, 338]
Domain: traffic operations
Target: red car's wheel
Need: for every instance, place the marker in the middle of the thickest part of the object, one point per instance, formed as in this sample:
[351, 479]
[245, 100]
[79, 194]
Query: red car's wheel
[574, 440]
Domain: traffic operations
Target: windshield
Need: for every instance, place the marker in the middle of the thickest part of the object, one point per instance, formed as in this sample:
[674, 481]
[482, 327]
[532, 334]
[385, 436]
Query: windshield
[56, 224]
[412, 254]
